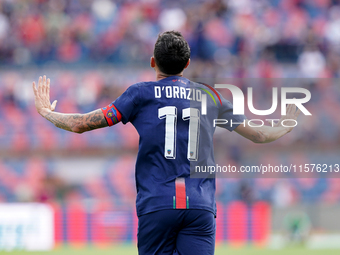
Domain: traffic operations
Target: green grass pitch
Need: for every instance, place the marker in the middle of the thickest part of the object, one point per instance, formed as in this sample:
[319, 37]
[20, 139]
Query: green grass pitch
[131, 250]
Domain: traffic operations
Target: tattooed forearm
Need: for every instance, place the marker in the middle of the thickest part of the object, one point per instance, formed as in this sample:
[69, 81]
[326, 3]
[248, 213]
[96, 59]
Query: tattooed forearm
[59, 120]
[94, 120]
[78, 123]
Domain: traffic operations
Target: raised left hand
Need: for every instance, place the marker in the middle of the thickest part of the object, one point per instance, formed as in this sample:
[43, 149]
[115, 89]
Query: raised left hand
[42, 96]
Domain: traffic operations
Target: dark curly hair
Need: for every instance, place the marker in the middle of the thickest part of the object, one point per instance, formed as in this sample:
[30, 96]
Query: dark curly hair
[171, 52]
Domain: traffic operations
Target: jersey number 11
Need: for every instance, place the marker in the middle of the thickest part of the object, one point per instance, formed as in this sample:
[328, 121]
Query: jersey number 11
[170, 115]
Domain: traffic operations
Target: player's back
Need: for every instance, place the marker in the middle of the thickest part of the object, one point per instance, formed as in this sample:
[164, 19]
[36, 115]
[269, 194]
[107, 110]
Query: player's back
[173, 135]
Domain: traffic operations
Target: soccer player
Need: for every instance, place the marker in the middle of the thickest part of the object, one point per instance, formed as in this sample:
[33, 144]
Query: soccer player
[176, 213]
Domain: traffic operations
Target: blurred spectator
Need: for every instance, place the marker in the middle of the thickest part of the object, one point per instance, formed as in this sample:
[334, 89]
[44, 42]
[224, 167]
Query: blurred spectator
[52, 189]
[283, 195]
[298, 227]
[312, 63]
[228, 33]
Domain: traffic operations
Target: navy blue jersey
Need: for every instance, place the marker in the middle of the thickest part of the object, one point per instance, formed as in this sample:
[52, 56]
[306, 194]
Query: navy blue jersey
[163, 112]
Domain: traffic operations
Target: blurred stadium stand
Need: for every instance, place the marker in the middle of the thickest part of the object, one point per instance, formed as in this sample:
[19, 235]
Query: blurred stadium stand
[93, 50]
[244, 38]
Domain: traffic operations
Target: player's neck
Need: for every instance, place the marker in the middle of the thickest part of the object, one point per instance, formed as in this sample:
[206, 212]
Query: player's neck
[160, 76]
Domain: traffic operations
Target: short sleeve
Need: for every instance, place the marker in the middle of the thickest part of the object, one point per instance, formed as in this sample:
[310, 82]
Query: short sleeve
[128, 103]
[226, 113]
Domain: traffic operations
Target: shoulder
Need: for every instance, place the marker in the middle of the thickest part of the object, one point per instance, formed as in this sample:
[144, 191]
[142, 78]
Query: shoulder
[135, 86]
[139, 86]
[135, 91]
[142, 84]
[212, 92]
[132, 93]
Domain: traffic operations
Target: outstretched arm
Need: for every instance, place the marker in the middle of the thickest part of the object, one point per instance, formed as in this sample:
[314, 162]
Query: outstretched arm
[267, 134]
[77, 123]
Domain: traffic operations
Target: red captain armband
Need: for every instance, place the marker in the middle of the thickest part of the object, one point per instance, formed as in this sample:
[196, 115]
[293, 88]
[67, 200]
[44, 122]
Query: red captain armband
[112, 115]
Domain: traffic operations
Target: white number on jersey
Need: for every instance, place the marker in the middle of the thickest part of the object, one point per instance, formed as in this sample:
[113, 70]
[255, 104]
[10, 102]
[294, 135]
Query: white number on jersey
[170, 115]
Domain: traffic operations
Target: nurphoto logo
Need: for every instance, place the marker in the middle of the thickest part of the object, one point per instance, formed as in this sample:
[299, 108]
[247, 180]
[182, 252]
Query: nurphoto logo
[239, 102]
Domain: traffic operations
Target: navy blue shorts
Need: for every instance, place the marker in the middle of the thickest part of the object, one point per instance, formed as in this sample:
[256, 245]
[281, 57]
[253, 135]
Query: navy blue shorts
[176, 231]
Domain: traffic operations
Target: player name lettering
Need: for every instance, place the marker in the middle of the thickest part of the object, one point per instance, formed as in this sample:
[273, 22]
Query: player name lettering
[178, 92]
